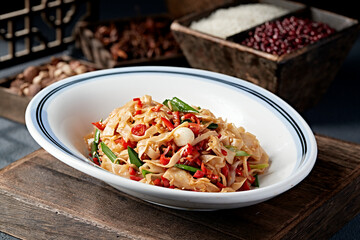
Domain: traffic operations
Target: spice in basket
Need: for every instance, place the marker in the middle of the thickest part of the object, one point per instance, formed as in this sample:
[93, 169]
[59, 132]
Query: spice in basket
[35, 78]
[139, 39]
[287, 35]
[226, 22]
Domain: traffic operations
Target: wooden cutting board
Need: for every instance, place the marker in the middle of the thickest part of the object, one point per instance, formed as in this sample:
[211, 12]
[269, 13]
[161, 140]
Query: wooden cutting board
[42, 198]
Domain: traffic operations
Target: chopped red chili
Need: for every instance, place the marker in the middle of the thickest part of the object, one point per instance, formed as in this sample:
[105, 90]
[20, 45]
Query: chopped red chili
[239, 172]
[188, 150]
[167, 150]
[135, 178]
[157, 182]
[192, 118]
[225, 170]
[205, 170]
[99, 125]
[157, 108]
[248, 166]
[195, 128]
[220, 185]
[224, 152]
[167, 123]
[137, 112]
[165, 181]
[199, 174]
[132, 171]
[213, 177]
[96, 161]
[176, 118]
[251, 179]
[139, 103]
[125, 144]
[198, 161]
[138, 130]
[245, 186]
[164, 160]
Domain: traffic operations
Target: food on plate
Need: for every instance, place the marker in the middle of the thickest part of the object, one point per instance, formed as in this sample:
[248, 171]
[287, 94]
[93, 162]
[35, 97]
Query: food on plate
[175, 145]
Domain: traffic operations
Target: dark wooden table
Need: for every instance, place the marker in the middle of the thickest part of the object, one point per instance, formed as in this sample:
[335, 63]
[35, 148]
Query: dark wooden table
[42, 198]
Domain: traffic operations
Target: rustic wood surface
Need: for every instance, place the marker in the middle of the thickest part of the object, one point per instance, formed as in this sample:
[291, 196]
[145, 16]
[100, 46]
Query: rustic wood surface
[42, 198]
[13, 106]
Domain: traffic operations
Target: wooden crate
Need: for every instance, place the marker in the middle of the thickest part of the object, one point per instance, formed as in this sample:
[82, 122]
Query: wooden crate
[300, 77]
[12, 105]
[42, 198]
[96, 51]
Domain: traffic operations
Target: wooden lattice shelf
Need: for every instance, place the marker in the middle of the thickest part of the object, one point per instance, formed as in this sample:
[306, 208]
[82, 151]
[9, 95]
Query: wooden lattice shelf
[58, 15]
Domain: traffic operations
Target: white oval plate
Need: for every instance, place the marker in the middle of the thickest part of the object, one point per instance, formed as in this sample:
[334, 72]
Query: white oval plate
[60, 116]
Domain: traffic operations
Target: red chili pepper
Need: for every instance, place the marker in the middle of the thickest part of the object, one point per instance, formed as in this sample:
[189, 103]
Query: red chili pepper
[224, 152]
[201, 145]
[96, 161]
[137, 112]
[188, 150]
[205, 170]
[167, 150]
[132, 171]
[125, 144]
[139, 103]
[245, 186]
[248, 166]
[135, 178]
[157, 108]
[192, 117]
[213, 177]
[199, 174]
[164, 160]
[195, 128]
[194, 155]
[176, 118]
[138, 130]
[251, 179]
[167, 123]
[157, 182]
[219, 136]
[225, 170]
[122, 142]
[220, 185]
[165, 181]
[198, 161]
[239, 172]
[99, 125]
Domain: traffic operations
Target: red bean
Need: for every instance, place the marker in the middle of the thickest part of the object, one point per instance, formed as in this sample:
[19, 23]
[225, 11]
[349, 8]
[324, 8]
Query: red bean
[287, 35]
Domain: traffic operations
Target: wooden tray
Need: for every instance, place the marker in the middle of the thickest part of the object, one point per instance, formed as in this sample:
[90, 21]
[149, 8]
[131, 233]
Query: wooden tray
[13, 106]
[301, 78]
[42, 198]
[96, 52]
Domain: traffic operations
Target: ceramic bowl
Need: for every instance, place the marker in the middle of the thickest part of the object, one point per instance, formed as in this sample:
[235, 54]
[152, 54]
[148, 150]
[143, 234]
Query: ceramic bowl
[60, 116]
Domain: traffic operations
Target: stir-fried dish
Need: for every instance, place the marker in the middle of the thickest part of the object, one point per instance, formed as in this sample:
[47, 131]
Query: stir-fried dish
[175, 145]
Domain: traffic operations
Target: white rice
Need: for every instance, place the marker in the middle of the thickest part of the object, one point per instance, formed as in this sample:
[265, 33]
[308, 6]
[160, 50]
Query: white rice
[226, 22]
